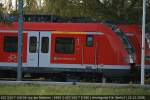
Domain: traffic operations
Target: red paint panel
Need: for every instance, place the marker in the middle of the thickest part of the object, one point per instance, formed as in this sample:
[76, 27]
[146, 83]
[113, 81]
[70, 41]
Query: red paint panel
[34, 26]
[61, 58]
[89, 52]
[110, 49]
[135, 39]
[24, 49]
[104, 51]
[107, 52]
[12, 56]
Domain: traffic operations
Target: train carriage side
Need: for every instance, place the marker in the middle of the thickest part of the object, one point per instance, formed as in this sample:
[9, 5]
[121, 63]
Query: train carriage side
[123, 48]
[67, 48]
[8, 50]
[134, 33]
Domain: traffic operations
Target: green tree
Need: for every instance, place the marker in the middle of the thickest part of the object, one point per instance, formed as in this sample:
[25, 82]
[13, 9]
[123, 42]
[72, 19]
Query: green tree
[2, 10]
[129, 11]
[31, 6]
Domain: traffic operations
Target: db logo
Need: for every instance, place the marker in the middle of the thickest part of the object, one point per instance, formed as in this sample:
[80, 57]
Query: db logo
[12, 58]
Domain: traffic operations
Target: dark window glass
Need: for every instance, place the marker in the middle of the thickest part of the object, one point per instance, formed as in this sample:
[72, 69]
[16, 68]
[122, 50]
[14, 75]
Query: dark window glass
[45, 45]
[89, 40]
[33, 45]
[10, 43]
[64, 45]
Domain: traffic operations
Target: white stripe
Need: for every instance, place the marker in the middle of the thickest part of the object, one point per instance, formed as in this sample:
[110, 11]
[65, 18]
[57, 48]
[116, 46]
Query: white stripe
[79, 66]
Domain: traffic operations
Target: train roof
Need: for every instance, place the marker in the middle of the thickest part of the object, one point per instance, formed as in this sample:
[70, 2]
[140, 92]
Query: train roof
[41, 26]
[130, 28]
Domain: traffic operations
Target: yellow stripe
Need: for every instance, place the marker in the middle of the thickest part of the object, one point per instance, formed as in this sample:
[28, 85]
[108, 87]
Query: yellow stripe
[68, 32]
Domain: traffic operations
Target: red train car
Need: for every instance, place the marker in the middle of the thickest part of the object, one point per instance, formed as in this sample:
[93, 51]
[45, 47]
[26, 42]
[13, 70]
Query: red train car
[65, 48]
[134, 34]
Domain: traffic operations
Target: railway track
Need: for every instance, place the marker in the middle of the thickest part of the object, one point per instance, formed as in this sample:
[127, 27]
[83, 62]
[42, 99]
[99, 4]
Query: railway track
[71, 83]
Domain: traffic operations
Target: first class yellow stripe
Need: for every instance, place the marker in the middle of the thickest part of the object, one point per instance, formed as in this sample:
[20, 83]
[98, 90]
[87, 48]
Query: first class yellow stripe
[68, 32]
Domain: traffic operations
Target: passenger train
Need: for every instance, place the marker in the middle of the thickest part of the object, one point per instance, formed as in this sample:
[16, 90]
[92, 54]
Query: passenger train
[80, 50]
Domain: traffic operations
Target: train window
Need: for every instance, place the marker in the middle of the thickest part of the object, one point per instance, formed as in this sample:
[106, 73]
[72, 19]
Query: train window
[64, 45]
[89, 40]
[33, 45]
[10, 43]
[45, 45]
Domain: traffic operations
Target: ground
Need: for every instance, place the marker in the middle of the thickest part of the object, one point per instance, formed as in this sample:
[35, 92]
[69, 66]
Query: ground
[36, 89]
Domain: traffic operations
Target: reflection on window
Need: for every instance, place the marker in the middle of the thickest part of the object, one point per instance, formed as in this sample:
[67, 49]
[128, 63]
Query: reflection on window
[89, 40]
[45, 45]
[10, 43]
[33, 44]
[64, 45]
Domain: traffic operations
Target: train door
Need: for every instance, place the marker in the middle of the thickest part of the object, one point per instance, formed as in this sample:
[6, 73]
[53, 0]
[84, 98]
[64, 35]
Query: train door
[44, 49]
[38, 54]
[90, 49]
[32, 52]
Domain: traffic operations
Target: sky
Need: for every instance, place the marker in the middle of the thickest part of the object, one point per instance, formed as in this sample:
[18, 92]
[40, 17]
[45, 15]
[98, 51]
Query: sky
[13, 2]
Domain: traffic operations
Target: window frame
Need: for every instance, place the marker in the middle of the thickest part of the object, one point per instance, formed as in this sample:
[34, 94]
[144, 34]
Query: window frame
[73, 44]
[6, 48]
[43, 45]
[30, 50]
[87, 41]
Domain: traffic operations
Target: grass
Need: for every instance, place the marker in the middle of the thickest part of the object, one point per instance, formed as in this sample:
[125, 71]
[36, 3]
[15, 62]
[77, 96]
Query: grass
[34, 89]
